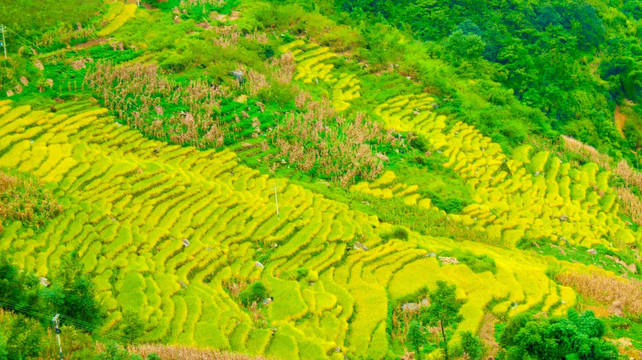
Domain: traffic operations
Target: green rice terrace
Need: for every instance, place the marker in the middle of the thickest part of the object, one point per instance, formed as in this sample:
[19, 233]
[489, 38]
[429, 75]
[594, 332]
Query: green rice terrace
[240, 179]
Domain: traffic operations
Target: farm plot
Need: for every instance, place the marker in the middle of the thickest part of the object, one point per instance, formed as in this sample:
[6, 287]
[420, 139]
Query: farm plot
[313, 67]
[117, 15]
[163, 229]
[531, 195]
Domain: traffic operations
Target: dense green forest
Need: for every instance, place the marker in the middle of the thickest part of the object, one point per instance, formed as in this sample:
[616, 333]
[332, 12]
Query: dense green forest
[569, 63]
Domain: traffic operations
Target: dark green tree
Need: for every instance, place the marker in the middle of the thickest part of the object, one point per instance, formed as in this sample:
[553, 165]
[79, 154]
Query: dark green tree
[18, 289]
[4, 352]
[466, 46]
[578, 337]
[416, 336]
[72, 293]
[25, 339]
[131, 326]
[253, 293]
[443, 311]
[471, 346]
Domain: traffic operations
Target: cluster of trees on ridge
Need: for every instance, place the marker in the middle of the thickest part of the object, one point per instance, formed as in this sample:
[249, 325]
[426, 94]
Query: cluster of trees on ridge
[571, 61]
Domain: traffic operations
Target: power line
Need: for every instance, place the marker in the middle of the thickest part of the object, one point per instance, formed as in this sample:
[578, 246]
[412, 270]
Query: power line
[20, 36]
[43, 315]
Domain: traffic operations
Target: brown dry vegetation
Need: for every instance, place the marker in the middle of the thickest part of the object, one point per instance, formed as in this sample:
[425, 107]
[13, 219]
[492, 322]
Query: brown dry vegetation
[631, 204]
[64, 35]
[339, 149]
[283, 68]
[170, 352]
[134, 93]
[228, 36]
[586, 151]
[312, 138]
[621, 169]
[23, 198]
[620, 294]
[620, 120]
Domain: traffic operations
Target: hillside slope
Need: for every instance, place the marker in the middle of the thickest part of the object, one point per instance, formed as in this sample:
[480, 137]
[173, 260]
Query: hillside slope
[132, 205]
[168, 133]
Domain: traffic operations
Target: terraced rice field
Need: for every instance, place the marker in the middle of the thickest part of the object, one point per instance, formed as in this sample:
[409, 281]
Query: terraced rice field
[387, 187]
[313, 67]
[117, 15]
[531, 195]
[131, 205]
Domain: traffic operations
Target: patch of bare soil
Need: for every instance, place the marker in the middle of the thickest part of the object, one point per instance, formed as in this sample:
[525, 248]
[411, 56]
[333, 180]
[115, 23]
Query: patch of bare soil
[487, 335]
[620, 120]
[90, 43]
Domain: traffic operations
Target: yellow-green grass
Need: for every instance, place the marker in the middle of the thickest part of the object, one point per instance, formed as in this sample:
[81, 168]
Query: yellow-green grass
[530, 195]
[128, 210]
[116, 18]
[313, 67]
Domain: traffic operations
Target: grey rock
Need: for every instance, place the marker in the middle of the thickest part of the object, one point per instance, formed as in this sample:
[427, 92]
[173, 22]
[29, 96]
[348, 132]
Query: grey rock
[238, 74]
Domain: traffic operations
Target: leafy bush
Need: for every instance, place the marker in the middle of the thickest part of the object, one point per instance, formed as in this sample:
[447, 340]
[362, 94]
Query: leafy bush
[477, 263]
[24, 339]
[396, 233]
[471, 346]
[131, 326]
[298, 274]
[443, 312]
[577, 337]
[416, 336]
[114, 351]
[255, 293]
[449, 205]
[72, 294]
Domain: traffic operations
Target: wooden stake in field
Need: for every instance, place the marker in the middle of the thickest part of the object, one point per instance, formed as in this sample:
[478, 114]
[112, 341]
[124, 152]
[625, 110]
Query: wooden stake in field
[276, 199]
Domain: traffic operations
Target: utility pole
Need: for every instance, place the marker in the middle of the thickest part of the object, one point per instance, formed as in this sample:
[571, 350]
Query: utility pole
[276, 199]
[57, 327]
[4, 43]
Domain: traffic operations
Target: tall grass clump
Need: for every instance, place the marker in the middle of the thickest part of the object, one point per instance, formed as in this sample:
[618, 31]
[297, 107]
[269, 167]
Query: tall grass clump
[620, 294]
[331, 146]
[23, 198]
[176, 352]
[159, 107]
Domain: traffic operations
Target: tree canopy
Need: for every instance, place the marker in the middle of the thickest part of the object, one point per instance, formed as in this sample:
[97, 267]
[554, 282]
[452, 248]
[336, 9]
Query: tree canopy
[578, 337]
